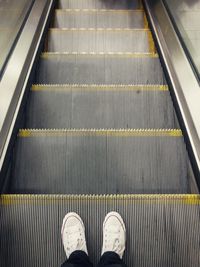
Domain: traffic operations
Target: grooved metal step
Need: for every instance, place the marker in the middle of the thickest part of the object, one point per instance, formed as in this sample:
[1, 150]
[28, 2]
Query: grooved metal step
[162, 230]
[108, 106]
[130, 68]
[107, 78]
[98, 18]
[102, 4]
[100, 40]
[101, 161]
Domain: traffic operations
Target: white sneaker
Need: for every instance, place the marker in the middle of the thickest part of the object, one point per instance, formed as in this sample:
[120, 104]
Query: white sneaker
[73, 234]
[114, 234]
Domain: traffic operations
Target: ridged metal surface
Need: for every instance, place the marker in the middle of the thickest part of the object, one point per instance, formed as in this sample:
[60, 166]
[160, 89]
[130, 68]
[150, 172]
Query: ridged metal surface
[99, 18]
[56, 68]
[100, 40]
[161, 230]
[100, 162]
[100, 4]
[111, 107]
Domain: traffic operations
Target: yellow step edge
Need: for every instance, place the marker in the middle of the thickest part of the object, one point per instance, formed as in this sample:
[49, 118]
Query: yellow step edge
[96, 87]
[24, 133]
[182, 199]
[47, 55]
[152, 47]
[59, 10]
[146, 24]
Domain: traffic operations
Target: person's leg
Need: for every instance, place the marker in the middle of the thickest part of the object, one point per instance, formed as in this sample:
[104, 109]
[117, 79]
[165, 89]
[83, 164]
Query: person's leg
[74, 242]
[114, 239]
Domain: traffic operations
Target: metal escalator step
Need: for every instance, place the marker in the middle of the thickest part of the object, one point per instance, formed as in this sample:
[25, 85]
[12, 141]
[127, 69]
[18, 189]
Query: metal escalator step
[162, 230]
[101, 161]
[93, 68]
[100, 40]
[94, 18]
[105, 4]
[71, 106]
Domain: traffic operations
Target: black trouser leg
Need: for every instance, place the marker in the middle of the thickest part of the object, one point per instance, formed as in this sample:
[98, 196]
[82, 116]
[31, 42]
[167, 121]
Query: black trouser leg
[78, 259]
[111, 259]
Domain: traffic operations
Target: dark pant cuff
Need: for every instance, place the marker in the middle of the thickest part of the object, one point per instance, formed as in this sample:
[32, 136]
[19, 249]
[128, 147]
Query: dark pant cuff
[78, 259]
[111, 259]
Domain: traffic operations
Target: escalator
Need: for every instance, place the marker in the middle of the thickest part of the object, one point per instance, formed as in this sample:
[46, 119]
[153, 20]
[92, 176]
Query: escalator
[100, 133]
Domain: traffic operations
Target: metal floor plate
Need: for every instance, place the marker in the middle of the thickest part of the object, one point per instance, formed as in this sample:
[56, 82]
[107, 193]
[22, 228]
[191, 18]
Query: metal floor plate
[161, 230]
[56, 68]
[100, 107]
[100, 4]
[95, 18]
[100, 40]
[101, 161]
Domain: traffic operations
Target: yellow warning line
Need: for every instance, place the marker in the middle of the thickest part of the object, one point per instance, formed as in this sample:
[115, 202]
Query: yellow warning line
[47, 55]
[146, 24]
[152, 47]
[171, 199]
[99, 10]
[100, 29]
[100, 132]
[96, 87]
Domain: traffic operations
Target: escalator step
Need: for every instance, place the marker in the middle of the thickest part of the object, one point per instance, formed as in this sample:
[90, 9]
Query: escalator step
[101, 161]
[130, 68]
[100, 40]
[100, 4]
[162, 230]
[70, 106]
[94, 18]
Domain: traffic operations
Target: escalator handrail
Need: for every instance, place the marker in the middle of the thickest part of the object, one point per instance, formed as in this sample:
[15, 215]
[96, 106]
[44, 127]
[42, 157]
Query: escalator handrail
[17, 74]
[184, 86]
[179, 33]
[17, 33]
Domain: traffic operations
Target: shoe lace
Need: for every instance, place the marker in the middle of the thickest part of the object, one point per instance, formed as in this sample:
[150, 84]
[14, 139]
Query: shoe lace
[112, 238]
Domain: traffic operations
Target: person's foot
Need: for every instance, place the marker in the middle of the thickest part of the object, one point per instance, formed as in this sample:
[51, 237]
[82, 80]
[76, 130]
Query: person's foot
[114, 234]
[73, 234]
